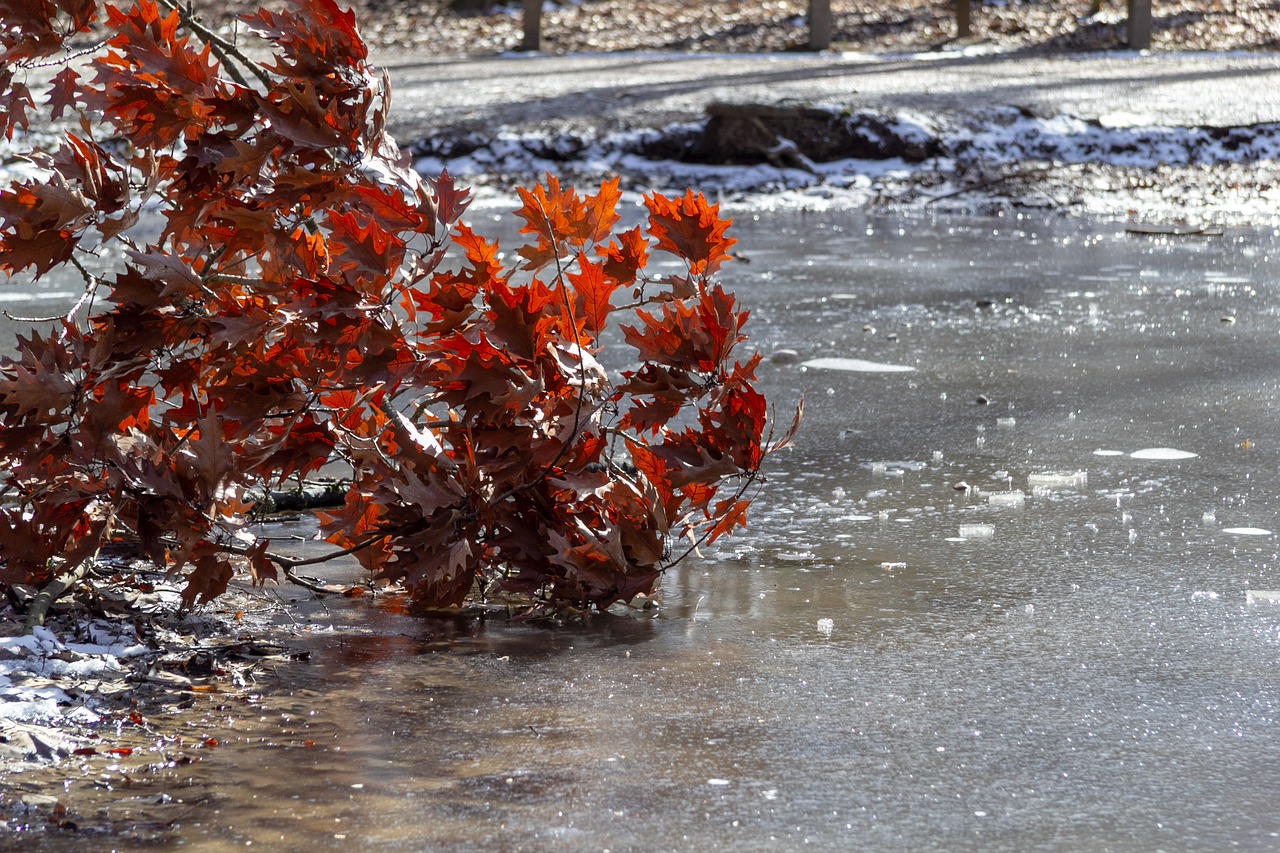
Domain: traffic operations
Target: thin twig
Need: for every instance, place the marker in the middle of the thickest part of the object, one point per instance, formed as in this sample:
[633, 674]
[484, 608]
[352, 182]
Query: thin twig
[221, 47]
[989, 182]
[582, 371]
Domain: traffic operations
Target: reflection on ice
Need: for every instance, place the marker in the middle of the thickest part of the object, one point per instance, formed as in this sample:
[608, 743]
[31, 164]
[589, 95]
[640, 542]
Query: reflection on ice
[1162, 453]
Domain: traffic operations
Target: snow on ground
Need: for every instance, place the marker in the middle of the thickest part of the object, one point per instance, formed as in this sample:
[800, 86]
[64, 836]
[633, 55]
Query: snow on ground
[1112, 166]
[39, 673]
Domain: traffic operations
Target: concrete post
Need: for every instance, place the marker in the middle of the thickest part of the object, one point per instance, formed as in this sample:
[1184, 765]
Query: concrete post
[819, 24]
[964, 23]
[532, 25]
[1139, 24]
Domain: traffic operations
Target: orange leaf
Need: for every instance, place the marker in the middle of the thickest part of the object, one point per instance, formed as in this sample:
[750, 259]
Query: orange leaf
[593, 293]
[692, 229]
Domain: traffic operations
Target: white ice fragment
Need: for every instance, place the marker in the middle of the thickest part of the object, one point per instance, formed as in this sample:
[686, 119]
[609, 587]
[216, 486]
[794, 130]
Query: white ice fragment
[889, 567]
[1014, 498]
[826, 626]
[1030, 610]
[1247, 531]
[720, 783]
[1163, 453]
[1262, 596]
[977, 531]
[795, 556]
[937, 456]
[854, 518]
[1204, 595]
[837, 493]
[856, 365]
[1058, 479]
[1208, 519]
[1006, 423]
[1101, 452]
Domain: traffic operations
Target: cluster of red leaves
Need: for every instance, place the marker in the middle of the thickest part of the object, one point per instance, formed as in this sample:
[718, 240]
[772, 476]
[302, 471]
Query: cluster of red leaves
[298, 306]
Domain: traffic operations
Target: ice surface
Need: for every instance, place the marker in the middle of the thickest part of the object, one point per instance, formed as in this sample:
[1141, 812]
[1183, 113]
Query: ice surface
[856, 365]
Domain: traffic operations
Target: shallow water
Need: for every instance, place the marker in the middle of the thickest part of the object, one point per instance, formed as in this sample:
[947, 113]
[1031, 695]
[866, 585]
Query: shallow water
[1081, 671]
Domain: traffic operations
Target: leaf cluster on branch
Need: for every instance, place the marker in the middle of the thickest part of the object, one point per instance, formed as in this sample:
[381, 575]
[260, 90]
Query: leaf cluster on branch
[270, 287]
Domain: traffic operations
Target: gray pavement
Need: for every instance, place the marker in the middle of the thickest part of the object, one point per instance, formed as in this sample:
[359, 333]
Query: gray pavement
[613, 91]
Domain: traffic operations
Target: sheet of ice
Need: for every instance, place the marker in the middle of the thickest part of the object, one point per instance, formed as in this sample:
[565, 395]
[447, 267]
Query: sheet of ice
[856, 365]
[1101, 452]
[977, 531]
[1247, 531]
[1163, 453]
[1058, 479]
[1262, 596]
[1014, 498]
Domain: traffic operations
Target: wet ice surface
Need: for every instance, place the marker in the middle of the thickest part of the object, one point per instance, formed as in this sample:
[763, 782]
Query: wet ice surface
[1082, 667]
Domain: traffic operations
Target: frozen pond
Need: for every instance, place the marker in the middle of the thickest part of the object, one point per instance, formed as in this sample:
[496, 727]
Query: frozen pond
[996, 602]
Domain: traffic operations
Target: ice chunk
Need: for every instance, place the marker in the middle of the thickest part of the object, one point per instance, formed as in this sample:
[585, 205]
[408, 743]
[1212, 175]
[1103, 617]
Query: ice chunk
[1262, 596]
[1058, 479]
[977, 531]
[1006, 423]
[826, 626]
[856, 365]
[1013, 498]
[890, 567]
[1247, 531]
[1163, 453]
[1101, 452]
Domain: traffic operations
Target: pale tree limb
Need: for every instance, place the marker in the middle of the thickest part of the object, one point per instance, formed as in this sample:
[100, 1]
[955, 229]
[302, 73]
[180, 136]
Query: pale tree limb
[38, 609]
